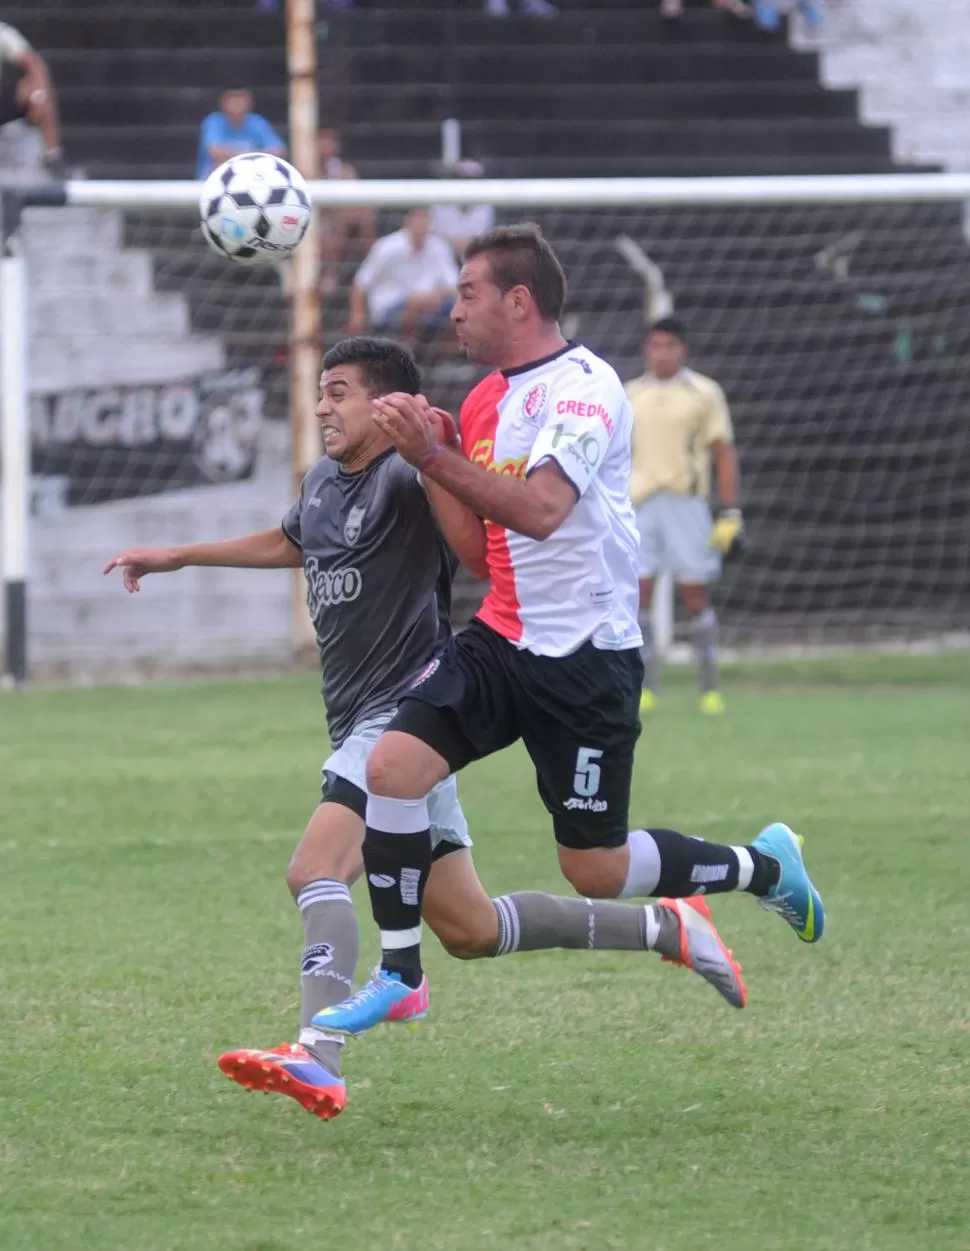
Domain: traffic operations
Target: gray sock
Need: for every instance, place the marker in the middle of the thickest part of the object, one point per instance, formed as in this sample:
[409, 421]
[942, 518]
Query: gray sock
[703, 635]
[529, 921]
[328, 963]
[649, 654]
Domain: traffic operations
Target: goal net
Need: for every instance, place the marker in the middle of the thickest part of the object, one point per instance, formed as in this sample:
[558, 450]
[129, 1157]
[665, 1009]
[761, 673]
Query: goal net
[832, 311]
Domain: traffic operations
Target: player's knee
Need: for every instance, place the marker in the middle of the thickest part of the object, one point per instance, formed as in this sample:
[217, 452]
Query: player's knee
[598, 874]
[469, 942]
[384, 773]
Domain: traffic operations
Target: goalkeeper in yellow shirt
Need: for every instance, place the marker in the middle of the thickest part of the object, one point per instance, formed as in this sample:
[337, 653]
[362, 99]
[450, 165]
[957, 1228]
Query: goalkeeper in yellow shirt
[681, 424]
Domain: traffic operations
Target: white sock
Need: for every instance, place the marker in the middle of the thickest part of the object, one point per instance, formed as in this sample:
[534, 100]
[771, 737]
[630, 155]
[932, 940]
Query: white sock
[745, 867]
[643, 874]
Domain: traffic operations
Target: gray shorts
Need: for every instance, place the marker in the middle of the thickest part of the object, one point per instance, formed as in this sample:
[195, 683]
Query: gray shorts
[675, 538]
[349, 761]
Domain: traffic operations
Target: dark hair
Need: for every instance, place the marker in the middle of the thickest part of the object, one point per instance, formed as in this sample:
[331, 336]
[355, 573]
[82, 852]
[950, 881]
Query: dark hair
[672, 326]
[520, 256]
[384, 365]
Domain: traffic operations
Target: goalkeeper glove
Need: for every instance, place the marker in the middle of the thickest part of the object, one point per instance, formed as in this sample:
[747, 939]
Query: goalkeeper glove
[727, 537]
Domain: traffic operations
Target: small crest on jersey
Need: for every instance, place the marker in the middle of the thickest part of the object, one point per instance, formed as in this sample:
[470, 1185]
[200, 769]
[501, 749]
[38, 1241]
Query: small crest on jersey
[352, 525]
[534, 403]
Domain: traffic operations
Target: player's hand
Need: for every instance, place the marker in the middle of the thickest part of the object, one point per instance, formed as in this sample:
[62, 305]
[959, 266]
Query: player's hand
[727, 537]
[137, 561]
[445, 428]
[409, 422]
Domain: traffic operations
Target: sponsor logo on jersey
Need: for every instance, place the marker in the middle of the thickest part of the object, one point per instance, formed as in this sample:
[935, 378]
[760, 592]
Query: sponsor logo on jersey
[315, 501]
[534, 404]
[575, 804]
[352, 525]
[582, 447]
[328, 587]
[426, 672]
[577, 408]
[584, 365]
[512, 467]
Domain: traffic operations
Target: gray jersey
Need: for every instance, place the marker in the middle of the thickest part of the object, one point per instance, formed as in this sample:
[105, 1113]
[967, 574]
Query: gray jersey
[378, 577]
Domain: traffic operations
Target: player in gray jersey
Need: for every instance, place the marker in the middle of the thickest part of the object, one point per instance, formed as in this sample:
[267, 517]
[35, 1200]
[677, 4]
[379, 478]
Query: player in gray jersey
[378, 579]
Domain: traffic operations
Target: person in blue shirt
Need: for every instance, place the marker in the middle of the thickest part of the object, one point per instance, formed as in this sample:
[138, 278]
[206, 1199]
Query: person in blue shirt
[235, 128]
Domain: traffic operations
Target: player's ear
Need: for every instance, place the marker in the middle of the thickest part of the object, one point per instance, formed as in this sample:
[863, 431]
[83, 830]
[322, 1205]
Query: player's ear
[520, 300]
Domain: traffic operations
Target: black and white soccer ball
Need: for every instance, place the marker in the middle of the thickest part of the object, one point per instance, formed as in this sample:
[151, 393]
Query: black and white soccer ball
[255, 209]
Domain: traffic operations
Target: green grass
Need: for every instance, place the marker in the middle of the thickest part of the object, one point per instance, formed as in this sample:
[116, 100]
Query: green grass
[555, 1101]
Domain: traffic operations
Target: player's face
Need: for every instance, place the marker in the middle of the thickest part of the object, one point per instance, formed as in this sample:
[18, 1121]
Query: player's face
[665, 354]
[482, 315]
[346, 414]
[236, 104]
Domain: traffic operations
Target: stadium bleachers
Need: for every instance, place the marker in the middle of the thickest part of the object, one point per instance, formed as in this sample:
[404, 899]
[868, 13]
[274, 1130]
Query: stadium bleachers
[134, 82]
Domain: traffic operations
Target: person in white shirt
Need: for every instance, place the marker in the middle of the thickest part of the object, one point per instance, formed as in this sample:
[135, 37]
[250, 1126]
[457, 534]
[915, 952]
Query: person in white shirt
[460, 223]
[26, 92]
[407, 282]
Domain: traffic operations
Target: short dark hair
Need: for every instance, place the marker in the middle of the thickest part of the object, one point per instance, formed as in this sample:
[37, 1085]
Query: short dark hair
[672, 326]
[384, 365]
[520, 256]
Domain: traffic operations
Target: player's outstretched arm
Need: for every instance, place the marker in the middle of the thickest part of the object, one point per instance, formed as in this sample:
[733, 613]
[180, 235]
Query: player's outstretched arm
[267, 549]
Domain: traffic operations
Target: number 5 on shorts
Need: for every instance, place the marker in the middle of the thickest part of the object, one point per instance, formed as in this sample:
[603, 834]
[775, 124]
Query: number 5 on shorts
[587, 779]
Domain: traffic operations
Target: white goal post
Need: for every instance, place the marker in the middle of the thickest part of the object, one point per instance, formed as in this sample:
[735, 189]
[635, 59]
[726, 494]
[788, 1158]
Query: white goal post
[830, 307]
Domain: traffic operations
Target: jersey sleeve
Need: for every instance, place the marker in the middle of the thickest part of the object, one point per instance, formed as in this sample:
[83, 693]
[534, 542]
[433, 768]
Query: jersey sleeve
[371, 266]
[717, 417]
[583, 415]
[292, 522]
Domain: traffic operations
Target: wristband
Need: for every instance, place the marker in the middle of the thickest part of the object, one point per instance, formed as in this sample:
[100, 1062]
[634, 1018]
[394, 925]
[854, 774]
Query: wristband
[431, 457]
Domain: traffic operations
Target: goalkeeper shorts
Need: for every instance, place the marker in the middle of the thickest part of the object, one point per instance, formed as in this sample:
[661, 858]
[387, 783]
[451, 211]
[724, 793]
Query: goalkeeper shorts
[675, 538]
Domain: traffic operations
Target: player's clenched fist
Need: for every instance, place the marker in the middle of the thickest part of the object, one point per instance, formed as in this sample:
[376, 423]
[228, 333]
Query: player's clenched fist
[137, 561]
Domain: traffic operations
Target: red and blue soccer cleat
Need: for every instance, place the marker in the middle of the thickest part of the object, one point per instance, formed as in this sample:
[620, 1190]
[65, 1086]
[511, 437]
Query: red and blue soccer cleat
[288, 1069]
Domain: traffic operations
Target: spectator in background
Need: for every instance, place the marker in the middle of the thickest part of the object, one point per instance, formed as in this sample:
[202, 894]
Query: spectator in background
[26, 92]
[768, 14]
[735, 8]
[344, 230]
[531, 8]
[407, 282]
[459, 223]
[233, 129]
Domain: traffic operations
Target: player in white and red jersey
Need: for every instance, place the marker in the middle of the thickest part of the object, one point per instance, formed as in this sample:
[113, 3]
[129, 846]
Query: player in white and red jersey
[552, 658]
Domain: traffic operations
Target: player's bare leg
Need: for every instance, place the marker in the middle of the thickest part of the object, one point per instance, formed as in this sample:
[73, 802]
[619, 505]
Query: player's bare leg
[651, 670]
[470, 925]
[703, 636]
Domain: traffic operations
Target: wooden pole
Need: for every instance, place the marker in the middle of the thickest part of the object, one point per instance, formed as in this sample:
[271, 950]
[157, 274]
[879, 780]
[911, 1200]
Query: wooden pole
[305, 345]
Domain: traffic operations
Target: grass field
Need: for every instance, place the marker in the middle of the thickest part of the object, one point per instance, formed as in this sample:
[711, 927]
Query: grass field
[555, 1101]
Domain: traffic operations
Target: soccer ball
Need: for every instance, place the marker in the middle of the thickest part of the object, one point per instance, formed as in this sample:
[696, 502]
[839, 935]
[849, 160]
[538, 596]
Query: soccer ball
[254, 209]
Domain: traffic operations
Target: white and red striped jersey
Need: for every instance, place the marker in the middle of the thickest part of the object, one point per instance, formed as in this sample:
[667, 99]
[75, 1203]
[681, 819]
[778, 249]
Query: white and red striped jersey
[549, 597]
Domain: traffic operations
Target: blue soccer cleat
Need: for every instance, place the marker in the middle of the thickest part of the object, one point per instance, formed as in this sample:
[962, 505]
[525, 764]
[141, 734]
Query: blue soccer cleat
[793, 896]
[288, 1069]
[383, 998]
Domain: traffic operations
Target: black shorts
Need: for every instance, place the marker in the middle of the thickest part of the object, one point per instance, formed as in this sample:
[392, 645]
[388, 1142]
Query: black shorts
[10, 107]
[577, 715]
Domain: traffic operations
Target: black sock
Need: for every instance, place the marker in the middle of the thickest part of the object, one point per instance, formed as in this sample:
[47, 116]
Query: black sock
[691, 866]
[766, 872]
[397, 867]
